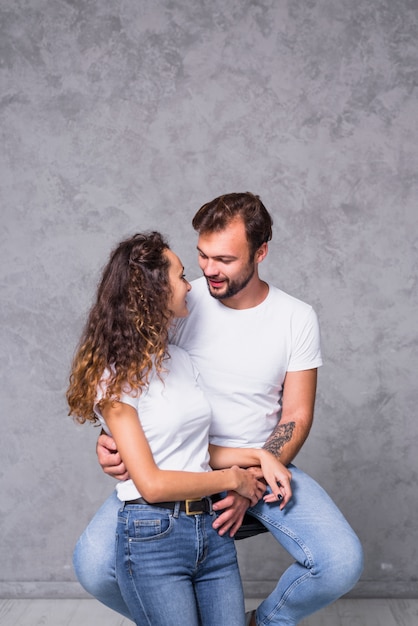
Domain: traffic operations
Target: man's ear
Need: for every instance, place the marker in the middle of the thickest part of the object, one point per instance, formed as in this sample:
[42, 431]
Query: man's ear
[261, 253]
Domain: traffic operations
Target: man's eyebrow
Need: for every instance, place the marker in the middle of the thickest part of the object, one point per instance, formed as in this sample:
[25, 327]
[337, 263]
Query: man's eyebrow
[218, 256]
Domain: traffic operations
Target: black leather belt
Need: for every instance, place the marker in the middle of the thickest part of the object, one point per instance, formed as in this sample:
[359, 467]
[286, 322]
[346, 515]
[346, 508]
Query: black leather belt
[193, 506]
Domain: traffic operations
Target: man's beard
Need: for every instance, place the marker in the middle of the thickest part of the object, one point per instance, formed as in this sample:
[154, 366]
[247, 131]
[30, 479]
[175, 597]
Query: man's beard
[233, 286]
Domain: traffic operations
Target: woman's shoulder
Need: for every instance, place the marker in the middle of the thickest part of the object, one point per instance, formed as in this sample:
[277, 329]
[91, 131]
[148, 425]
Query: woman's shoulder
[180, 360]
[178, 355]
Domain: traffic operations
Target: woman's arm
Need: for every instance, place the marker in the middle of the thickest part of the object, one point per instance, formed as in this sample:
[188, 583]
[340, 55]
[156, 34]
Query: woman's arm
[157, 485]
[276, 474]
[221, 456]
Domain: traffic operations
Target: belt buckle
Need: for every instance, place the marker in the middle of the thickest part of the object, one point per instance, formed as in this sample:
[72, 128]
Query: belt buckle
[205, 509]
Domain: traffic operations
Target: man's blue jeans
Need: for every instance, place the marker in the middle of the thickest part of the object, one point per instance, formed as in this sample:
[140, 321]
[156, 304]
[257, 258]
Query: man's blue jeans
[175, 569]
[328, 555]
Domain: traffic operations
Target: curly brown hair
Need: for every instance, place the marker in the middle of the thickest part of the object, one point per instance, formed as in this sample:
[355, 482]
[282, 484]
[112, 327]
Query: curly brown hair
[126, 332]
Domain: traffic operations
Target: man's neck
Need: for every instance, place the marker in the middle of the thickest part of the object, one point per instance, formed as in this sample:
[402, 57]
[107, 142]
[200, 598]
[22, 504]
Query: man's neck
[252, 295]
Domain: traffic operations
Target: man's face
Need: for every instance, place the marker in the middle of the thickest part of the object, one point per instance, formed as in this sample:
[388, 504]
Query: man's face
[224, 258]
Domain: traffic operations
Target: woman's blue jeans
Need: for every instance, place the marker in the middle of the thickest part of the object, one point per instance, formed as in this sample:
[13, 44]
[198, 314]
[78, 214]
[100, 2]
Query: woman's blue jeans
[327, 553]
[173, 568]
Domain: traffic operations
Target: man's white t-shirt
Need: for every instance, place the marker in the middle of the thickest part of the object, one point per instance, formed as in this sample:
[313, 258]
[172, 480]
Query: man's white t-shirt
[175, 416]
[242, 357]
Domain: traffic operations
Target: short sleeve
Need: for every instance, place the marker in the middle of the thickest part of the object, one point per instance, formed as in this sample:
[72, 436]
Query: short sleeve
[306, 343]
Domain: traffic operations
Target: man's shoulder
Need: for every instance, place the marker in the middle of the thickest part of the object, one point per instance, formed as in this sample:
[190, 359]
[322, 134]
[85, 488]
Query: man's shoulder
[282, 298]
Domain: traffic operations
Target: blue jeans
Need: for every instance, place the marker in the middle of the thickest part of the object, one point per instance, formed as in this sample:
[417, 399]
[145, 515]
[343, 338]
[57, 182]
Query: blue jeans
[175, 569]
[328, 555]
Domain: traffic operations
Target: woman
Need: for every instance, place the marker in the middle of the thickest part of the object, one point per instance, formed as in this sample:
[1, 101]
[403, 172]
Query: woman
[172, 566]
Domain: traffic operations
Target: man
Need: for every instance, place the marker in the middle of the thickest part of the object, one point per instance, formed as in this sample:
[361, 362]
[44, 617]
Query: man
[257, 351]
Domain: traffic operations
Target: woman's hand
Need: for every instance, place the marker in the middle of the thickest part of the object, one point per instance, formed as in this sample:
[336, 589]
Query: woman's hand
[278, 478]
[250, 483]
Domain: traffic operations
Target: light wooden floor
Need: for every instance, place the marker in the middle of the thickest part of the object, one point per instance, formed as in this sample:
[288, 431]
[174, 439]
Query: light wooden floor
[345, 612]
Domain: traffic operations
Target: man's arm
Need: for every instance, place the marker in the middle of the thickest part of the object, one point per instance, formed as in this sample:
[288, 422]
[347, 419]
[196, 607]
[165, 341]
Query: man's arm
[285, 441]
[298, 402]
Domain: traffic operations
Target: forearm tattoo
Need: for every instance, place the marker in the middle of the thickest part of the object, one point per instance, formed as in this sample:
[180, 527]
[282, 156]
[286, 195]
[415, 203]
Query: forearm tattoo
[281, 434]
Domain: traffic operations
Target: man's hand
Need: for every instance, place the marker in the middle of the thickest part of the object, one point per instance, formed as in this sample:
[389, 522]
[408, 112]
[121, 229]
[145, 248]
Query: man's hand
[231, 518]
[109, 458]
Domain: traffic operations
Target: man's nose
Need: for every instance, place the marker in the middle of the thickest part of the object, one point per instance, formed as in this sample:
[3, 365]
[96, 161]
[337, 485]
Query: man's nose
[210, 268]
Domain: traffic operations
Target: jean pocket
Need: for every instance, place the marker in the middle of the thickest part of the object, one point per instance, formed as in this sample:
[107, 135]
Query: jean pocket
[148, 525]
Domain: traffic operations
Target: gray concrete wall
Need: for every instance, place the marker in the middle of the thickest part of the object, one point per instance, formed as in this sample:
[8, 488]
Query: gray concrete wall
[117, 116]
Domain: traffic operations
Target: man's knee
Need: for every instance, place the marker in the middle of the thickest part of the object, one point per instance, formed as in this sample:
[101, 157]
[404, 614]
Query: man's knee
[343, 567]
[92, 565]
[355, 561]
[84, 566]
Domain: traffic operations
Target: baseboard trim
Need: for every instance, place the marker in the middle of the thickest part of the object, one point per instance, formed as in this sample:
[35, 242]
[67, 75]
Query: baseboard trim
[42, 589]
[252, 589]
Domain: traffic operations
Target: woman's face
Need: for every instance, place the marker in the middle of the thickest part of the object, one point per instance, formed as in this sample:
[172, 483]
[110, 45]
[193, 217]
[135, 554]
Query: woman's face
[180, 287]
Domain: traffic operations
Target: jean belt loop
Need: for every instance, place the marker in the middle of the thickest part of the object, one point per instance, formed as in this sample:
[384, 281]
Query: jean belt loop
[209, 504]
[176, 509]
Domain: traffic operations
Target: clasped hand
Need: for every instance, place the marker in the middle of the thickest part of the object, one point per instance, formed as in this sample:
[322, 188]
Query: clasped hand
[232, 508]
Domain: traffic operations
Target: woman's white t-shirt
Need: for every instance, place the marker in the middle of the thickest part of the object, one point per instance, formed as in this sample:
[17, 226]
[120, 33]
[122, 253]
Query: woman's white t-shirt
[175, 416]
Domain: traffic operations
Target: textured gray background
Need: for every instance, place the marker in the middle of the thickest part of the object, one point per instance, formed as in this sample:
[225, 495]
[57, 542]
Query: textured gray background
[117, 116]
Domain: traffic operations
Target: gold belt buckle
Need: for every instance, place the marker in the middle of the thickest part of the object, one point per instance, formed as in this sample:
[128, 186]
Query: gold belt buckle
[199, 511]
